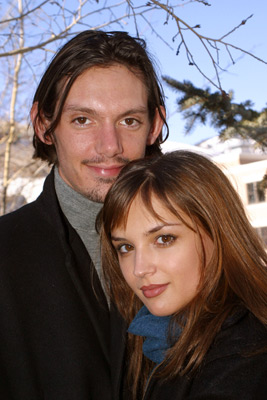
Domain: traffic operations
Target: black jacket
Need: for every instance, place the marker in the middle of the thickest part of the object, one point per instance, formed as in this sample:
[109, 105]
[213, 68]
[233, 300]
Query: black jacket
[58, 340]
[229, 371]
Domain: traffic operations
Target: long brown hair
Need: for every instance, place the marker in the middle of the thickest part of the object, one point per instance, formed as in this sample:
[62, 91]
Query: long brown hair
[235, 276]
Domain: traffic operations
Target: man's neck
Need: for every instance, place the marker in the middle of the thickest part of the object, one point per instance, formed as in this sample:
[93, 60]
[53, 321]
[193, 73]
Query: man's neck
[81, 214]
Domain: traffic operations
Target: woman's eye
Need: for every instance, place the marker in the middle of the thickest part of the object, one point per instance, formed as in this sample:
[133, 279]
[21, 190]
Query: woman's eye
[165, 239]
[124, 248]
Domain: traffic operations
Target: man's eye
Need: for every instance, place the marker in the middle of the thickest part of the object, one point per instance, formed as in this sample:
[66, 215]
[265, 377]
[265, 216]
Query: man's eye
[129, 122]
[165, 239]
[82, 121]
[124, 248]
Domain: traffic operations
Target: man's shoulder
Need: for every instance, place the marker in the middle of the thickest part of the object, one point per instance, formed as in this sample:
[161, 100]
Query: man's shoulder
[29, 232]
[31, 216]
[20, 224]
[24, 212]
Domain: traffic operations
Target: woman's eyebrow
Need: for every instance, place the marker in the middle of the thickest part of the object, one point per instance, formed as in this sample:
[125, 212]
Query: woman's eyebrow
[116, 239]
[149, 232]
[159, 227]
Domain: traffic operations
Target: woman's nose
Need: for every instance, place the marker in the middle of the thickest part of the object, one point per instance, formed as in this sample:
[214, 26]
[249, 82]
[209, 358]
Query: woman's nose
[143, 264]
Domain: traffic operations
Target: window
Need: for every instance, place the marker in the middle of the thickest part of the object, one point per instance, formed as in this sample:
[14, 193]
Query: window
[256, 193]
[262, 232]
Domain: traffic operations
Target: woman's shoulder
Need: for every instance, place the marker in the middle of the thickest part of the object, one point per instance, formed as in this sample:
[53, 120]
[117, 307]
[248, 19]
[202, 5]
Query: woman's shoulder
[241, 334]
[236, 364]
[234, 367]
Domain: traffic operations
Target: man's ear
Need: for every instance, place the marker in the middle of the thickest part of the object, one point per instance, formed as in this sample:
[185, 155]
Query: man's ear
[39, 125]
[156, 126]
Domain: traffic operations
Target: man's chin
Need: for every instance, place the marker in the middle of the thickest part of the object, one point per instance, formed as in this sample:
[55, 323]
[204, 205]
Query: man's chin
[100, 191]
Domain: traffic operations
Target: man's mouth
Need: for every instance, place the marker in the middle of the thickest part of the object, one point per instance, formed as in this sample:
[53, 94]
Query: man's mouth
[106, 171]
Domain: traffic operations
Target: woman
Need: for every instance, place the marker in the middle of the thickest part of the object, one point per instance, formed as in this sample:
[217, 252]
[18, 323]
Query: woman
[174, 230]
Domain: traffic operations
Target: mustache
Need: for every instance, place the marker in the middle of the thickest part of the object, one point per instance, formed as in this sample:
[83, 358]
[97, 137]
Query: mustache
[104, 160]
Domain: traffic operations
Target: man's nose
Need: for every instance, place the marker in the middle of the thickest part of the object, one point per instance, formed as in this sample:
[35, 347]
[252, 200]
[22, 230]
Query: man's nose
[143, 264]
[108, 143]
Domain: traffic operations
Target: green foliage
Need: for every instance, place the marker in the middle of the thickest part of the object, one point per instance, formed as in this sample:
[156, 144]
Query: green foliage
[218, 109]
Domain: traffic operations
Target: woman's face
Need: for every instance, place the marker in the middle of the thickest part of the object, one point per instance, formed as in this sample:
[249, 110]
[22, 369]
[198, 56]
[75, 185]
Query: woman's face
[160, 260]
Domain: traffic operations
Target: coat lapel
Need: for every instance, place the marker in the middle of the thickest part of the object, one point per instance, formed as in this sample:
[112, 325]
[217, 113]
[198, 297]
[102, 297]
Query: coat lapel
[78, 265]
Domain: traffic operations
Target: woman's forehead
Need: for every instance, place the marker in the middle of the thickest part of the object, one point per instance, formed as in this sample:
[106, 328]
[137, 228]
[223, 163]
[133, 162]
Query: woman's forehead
[151, 206]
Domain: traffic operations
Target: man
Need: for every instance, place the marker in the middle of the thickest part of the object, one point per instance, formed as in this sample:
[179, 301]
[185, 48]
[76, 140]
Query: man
[98, 106]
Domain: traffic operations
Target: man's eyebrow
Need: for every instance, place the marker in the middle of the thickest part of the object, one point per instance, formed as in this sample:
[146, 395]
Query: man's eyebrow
[91, 111]
[71, 108]
[139, 110]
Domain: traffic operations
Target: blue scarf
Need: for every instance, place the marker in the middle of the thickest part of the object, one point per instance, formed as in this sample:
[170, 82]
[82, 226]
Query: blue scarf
[155, 331]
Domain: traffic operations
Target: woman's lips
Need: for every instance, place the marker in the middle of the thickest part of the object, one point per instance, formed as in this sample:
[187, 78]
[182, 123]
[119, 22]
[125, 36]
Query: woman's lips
[153, 290]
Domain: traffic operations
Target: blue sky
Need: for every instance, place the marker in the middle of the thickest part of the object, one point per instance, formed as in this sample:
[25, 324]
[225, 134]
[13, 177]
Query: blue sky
[247, 78]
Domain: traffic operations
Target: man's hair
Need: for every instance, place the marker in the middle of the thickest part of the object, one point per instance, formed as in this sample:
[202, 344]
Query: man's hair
[86, 50]
[187, 183]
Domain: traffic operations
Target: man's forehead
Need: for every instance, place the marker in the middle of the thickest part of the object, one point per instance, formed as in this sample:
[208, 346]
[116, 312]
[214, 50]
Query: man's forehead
[114, 67]
[94, 91]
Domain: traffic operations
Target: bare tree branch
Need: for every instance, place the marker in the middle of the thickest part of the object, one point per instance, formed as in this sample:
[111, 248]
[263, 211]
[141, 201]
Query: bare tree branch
[24, 15]
[47, 24]
[204, 39]
[12, 112]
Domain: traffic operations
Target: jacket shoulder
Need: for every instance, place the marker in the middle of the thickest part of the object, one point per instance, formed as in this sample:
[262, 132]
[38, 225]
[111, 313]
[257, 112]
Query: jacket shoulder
[11, 222]
[243, 333]
[236, 365]
[29, 217]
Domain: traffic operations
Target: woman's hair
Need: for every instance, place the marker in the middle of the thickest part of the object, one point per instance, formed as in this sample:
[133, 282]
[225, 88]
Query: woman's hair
[235, 276]
[88, 49]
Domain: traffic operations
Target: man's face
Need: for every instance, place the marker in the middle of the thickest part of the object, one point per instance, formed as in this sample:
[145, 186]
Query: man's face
[104, 125]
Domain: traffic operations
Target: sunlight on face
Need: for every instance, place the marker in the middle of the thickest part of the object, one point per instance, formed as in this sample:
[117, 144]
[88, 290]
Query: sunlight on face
[104, 125]
[160, 260]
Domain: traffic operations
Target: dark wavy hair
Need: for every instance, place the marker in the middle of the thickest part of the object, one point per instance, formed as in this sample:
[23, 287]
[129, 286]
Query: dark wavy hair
[86, 50]
[236, 275]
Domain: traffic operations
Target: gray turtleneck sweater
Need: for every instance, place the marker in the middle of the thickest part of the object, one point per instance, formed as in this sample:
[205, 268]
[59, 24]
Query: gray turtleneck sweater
[81, 214]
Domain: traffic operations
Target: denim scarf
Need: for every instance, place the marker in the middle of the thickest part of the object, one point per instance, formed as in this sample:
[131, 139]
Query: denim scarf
[155, 331]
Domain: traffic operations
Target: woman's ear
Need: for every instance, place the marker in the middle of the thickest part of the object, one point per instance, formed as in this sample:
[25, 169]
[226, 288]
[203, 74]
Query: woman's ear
[39, 125]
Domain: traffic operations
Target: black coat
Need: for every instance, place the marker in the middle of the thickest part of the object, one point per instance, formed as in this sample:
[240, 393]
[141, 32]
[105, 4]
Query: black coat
[58, 340]
[227, 372]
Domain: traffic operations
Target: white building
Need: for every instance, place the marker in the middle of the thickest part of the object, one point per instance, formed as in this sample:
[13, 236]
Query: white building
[245, 166]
